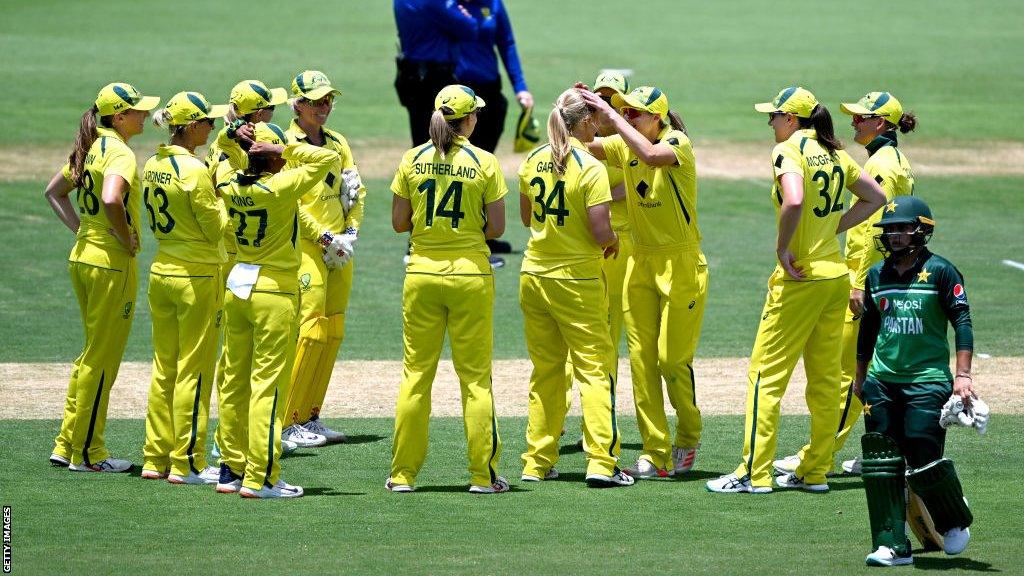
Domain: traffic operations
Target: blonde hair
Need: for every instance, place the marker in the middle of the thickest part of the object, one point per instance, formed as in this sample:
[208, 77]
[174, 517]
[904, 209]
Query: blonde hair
[570, 110]
[162, 119]
[443, 132]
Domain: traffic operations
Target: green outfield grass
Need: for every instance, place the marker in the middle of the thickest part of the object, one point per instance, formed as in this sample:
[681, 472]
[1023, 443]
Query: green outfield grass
[977, 229]
[348, 523]
[714, 59]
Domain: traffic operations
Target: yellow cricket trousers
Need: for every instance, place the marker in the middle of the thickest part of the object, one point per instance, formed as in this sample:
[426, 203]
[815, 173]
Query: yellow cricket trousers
[463, 305]
[260, 348]
[615, 282]
[187, 312]
[664, 310]
[106, 301]
[225, 269]
[568, 316]
[325, 295]
[799, 318]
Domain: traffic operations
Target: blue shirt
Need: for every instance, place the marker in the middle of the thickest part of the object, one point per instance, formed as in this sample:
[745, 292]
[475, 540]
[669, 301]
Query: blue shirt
[430, 30]
[479, 62]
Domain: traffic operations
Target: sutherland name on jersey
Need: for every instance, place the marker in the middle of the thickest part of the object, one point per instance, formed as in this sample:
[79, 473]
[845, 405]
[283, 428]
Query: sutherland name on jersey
[439, 169]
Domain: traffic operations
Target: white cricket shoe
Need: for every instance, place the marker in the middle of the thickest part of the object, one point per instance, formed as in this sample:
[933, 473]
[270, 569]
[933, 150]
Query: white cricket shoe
[619, 478]
[58, 461]
[303, 438]
[229, 482]
[317, 427]
[280, 490]
[645, 469]
[497, 487]
[392, 487]
[786, 465]
[551, 475]
[107, 465]
[287, 446]
[886, 556]
[208, 475]
[793, 481]
[683, 458]
[852, 466]
[731, 483]
[955, 540]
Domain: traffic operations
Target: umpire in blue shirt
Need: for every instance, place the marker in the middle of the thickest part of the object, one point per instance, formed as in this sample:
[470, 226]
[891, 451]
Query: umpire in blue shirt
[429, 33]
[478, 69]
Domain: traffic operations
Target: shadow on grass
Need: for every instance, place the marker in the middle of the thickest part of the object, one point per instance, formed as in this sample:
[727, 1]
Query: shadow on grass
[462, 488]
[361, 439]
[322, 491]
[947, 563]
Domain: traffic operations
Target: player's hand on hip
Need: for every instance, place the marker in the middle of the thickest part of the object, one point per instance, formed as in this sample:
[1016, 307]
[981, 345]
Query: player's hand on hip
[788, 262]
[525, 98]
[856, 301]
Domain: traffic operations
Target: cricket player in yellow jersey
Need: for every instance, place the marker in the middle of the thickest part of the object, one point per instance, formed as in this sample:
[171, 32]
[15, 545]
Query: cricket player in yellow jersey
[331, 212]
[186, 292]
[102, 168]
[807, 293]
[563, 200]
[667, 277]
[262, 308]
[450, 195]
[876, 117]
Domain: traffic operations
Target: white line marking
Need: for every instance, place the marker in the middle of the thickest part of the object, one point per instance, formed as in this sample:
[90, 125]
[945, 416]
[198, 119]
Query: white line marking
[1013, 264]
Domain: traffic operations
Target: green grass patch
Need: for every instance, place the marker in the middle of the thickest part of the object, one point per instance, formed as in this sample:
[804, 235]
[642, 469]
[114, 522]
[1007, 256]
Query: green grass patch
[348, 523]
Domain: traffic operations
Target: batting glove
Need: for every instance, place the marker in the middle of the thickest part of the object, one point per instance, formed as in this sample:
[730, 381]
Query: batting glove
[351, 183]
[953, 413]
[980, 411]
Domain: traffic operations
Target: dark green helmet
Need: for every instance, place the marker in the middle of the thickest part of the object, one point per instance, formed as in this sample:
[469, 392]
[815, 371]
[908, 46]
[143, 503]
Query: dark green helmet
[906, 210]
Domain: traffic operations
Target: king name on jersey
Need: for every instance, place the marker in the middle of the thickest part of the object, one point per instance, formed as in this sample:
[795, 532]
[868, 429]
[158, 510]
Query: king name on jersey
[444, 169]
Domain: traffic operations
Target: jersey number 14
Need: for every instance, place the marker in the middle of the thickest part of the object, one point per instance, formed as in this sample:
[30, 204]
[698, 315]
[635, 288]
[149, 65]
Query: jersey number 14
[450, 205]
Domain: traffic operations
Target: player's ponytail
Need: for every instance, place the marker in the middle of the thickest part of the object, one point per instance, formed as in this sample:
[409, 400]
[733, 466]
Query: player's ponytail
[569, 111]
[443, 132]
[676, 121]
[821, 121]
[907, 122]
[87, 134]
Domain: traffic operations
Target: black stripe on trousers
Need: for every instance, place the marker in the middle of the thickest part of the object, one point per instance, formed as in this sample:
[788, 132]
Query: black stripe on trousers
[615, 426]
[92, 419]
[494, 438]
[753, 426]
[693, 385]
[846, 410]
[270, 444]
[195, 427]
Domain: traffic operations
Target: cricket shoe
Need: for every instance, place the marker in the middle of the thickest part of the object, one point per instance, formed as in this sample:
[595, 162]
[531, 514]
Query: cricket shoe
[498, 486]
[228, 482]
[731, 483]
[683, 459]
[852, 466]
[786, 465]
[281, 489]
[551, 475]
[647, 470]
[955, 540]
[58, 461]
[287, 447]
[304, 438]
[619, 478]
[886, 556]
[393, 487]
[793, 481]
[148, 474]
[317, 427]
[208, 475]
[106, 465]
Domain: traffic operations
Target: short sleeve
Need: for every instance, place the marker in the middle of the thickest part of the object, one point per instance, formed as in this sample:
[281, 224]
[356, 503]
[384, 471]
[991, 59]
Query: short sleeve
[850, 168]
[120, 162]
[786, 159]
[398, 184]
[614, 150]
[66, 172]
[594, 182]
[524, 177]
[681, 146]
[496, 188]
[882, 173]
[347, 161]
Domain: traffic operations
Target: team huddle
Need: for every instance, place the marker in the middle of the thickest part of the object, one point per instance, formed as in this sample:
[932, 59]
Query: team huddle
[256, 249]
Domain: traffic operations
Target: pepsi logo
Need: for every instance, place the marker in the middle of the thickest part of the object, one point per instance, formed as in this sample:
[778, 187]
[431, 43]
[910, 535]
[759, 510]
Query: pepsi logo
[958, 291]
[883, 303]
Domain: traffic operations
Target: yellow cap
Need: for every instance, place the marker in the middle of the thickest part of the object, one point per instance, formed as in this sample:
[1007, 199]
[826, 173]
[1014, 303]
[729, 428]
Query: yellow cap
[313, 85]
[118, 97]
[612, 79]
[268, 132]
[249, 96]
[461, 100]
[186, 107]
[880, 104]
[646, 98]
[793, 100]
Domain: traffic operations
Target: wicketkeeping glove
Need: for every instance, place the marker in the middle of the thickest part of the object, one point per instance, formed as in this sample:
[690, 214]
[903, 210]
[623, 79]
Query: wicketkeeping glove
[338, 248]
[351, 183]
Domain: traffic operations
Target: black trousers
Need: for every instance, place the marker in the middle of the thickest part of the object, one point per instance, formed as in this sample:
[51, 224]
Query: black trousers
[491, 118]
[417, 83]
[909, 414]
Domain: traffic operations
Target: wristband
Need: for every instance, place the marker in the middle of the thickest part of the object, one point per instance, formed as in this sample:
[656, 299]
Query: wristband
[963, 375]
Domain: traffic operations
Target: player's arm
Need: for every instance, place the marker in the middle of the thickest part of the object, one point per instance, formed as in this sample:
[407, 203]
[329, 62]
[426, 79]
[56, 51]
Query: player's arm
[115, 187]
[619, 191]
[453, 19]
[660, 154]
[791, 187]
[311, 165]
[505, 40]
[495, 212]
[209, 211]
[871, 197]
[599, 217]
[401, 214]
[57, 193]
[870, 323]
[525, 209]
[494, 199]
[954, 303]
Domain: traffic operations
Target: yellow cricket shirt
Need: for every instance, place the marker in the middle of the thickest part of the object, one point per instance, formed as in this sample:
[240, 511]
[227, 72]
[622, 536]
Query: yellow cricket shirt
[620, 214]
[561, 244]
[661, 200]
[815, 244]
[448, 196]
[223, 158]
[108, 156]
[321, 209]
[185, 215]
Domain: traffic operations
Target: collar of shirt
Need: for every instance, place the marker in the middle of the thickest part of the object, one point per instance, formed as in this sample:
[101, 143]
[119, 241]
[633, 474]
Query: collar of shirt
[574, 142]
[172, 150]
[806, 133]
[922, 257]
[661, 135]
[880, 141]
[108, 132]
[300, 134]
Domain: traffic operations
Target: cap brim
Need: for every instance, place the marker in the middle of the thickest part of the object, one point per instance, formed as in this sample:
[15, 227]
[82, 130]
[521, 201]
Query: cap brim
[278, 96]
[218, 111]
[620, 101]
[608, 86]
[766, 108]
[318, 93]
[891, 221]
[855, 110]
[147, 103]
[480, 102]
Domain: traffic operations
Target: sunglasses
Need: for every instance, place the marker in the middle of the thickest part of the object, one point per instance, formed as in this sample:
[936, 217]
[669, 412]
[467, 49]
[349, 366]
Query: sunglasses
[773, 115]
[858, 118]
[632, 113]
[607, 99]
[325, 101]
